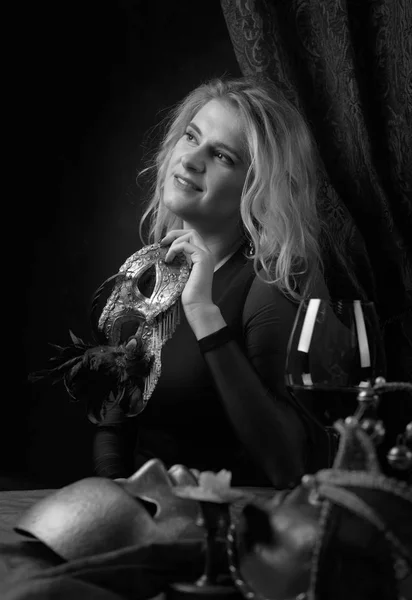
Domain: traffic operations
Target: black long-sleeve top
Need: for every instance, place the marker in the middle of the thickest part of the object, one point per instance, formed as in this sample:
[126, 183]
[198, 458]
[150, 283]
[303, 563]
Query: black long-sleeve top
[221, 405]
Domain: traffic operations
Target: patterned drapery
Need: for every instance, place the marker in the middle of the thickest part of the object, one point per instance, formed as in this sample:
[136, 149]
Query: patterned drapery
[347, 65]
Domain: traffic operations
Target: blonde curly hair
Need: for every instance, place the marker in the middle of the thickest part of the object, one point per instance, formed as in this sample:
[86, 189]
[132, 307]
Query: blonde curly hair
[278, 202]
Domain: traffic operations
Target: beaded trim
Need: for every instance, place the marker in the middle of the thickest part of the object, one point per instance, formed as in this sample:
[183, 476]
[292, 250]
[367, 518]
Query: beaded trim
[233, 559]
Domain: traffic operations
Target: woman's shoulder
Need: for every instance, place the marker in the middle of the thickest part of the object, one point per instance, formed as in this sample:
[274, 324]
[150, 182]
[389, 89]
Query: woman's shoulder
[261, 292]
[264, 297]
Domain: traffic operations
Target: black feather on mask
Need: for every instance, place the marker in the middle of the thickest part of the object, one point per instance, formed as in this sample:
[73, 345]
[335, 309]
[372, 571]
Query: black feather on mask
[92, 373]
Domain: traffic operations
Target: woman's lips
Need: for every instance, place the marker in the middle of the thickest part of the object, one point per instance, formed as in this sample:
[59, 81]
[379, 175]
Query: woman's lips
[186, 184]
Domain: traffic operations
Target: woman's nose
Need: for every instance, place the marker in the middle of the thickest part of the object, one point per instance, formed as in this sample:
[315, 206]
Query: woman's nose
[193, 161]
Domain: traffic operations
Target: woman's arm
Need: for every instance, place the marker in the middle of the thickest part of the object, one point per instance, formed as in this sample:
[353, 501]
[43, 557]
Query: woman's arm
[251, 383]
[251, 386]
[109, 449]
[108, 453]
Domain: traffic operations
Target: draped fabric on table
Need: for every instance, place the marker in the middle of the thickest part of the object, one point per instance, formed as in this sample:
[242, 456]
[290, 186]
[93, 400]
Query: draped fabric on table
[347, 65]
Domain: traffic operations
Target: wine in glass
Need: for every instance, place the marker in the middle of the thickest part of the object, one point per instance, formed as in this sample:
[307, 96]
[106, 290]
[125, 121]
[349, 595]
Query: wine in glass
[335, 350]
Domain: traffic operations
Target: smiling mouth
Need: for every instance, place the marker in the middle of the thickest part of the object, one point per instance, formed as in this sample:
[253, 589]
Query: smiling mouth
[186, 183]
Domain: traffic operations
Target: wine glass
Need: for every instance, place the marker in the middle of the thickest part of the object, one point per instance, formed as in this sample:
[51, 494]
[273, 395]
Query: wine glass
[335, 350]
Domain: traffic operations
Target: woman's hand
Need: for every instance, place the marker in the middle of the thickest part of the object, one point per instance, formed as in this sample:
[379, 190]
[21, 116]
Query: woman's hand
[198, 290]
[203, 315]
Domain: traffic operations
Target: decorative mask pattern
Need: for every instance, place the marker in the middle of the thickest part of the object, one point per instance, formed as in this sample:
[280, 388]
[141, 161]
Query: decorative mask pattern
[155, 316]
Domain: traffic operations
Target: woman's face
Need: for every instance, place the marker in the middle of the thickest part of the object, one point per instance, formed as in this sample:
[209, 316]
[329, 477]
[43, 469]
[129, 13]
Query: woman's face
[207, 169]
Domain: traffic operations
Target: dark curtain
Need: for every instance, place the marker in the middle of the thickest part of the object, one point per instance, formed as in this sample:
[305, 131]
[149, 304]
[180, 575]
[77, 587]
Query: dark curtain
[348, 67]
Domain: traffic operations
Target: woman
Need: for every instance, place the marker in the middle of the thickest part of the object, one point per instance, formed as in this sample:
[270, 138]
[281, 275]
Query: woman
[235, 191]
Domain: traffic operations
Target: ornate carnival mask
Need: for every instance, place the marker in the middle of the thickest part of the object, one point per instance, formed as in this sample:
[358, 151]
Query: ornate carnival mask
[144, 304]
[345, 532]
[139, 316]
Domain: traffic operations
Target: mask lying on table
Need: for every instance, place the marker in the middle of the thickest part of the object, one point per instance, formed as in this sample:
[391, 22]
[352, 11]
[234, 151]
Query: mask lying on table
[345, 533]
[98, 515]
[139, 316]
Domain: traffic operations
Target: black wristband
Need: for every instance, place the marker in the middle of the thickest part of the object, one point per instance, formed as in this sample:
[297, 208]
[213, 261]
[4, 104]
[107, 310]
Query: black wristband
[215, 339]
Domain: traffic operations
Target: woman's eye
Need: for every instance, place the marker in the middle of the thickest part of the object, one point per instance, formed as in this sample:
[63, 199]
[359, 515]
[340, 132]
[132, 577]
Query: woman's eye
[224, 158]
[189, 136]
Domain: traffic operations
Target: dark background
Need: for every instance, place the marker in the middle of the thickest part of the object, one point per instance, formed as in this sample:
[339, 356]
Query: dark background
[97, 78]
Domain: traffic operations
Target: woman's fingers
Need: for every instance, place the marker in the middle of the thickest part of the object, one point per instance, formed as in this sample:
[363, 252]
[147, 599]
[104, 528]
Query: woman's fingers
[172, 235]
[187, 241]
[198, 289]
[190, 250]
[187, 234]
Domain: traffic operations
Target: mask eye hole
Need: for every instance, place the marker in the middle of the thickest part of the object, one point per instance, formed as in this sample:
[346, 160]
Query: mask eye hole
[151, 507]
[127, 327]
[147, 281]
